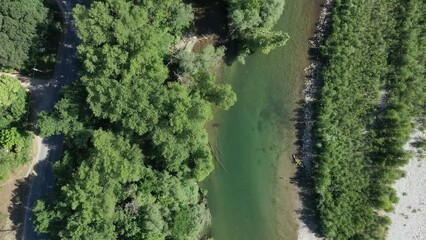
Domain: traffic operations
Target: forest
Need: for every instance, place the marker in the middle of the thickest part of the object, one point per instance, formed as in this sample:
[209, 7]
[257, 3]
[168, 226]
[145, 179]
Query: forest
[15, 139]
[136, 146]
[135, 139]
[374, 87]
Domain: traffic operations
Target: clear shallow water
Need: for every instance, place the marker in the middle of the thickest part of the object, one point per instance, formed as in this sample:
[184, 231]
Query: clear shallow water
[255, 139]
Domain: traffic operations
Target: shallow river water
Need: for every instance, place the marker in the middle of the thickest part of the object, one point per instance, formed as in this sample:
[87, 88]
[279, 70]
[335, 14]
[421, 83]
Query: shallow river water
[255, 139]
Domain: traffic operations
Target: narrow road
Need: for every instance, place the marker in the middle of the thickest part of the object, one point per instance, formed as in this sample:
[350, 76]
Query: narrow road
[43, 97]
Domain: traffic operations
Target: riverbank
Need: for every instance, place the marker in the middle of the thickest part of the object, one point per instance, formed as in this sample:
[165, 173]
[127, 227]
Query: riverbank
[313, 85]
[308, 229]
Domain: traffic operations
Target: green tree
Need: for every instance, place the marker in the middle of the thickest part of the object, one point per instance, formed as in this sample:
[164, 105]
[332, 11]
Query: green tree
[12, 101]
[89, 200]
[113, 194]
[198, 70]
[135, 137]
[372, 45]
[9, 138]
[14, 140]
[251, 23]
[19, 25]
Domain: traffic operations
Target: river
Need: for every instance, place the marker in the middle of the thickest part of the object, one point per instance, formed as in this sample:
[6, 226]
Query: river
[255, 139]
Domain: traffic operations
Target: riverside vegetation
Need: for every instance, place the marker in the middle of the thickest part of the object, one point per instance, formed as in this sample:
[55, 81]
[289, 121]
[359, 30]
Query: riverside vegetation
[374, 86]
[251, 23]
[135, 142]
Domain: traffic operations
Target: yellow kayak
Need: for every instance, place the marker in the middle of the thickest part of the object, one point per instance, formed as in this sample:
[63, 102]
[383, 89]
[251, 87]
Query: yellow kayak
[297, 160]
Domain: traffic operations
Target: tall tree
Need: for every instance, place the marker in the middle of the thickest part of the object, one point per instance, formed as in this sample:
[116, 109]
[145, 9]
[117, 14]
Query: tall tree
[12, 101]
[251, 23]
[129, 110]
[19, 23]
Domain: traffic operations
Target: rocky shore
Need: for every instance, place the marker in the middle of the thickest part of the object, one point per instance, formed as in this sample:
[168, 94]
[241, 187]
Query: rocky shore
[307, 226]
[312, 85]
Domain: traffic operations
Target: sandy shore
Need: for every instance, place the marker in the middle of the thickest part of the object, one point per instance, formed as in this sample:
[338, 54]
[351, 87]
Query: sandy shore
[409, 217]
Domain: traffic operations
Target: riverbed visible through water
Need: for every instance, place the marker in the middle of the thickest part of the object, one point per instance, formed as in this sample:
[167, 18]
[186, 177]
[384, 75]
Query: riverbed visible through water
[250, 194]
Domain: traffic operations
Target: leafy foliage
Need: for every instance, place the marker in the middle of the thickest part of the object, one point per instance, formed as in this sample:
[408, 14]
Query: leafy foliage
[197, 71]
[12, 101]
[14, 140]
[19, 23]
[252, 21]
[136, 145]
[359, 143]
[113, 194]
[9, 138]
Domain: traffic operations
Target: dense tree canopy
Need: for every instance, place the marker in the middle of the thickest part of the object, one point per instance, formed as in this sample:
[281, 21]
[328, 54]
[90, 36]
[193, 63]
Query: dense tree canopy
[136, 145]
[113, 195]
[20, 21]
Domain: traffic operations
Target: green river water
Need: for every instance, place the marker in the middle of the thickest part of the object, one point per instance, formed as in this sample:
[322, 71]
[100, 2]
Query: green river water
[255, 139]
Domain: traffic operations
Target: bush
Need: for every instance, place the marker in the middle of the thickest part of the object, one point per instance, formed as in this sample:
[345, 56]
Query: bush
[251, 23]
[15, 140]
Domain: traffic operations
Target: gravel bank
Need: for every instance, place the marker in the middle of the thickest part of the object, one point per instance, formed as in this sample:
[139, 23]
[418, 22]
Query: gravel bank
[311, 92]
[409, 217]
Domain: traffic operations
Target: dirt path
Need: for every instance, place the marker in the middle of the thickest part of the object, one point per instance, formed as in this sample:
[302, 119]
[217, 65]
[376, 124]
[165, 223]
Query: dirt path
[7, 189]
[11, 191]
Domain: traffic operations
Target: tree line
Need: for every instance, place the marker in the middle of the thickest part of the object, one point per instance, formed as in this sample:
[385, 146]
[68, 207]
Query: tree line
[29, 34]
[374, 86]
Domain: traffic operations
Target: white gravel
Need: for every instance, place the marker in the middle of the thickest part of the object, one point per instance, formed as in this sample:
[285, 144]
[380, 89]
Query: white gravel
[409, 217]
[306, 234]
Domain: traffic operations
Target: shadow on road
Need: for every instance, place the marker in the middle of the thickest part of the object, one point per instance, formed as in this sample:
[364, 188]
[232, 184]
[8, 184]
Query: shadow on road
[36, 186]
